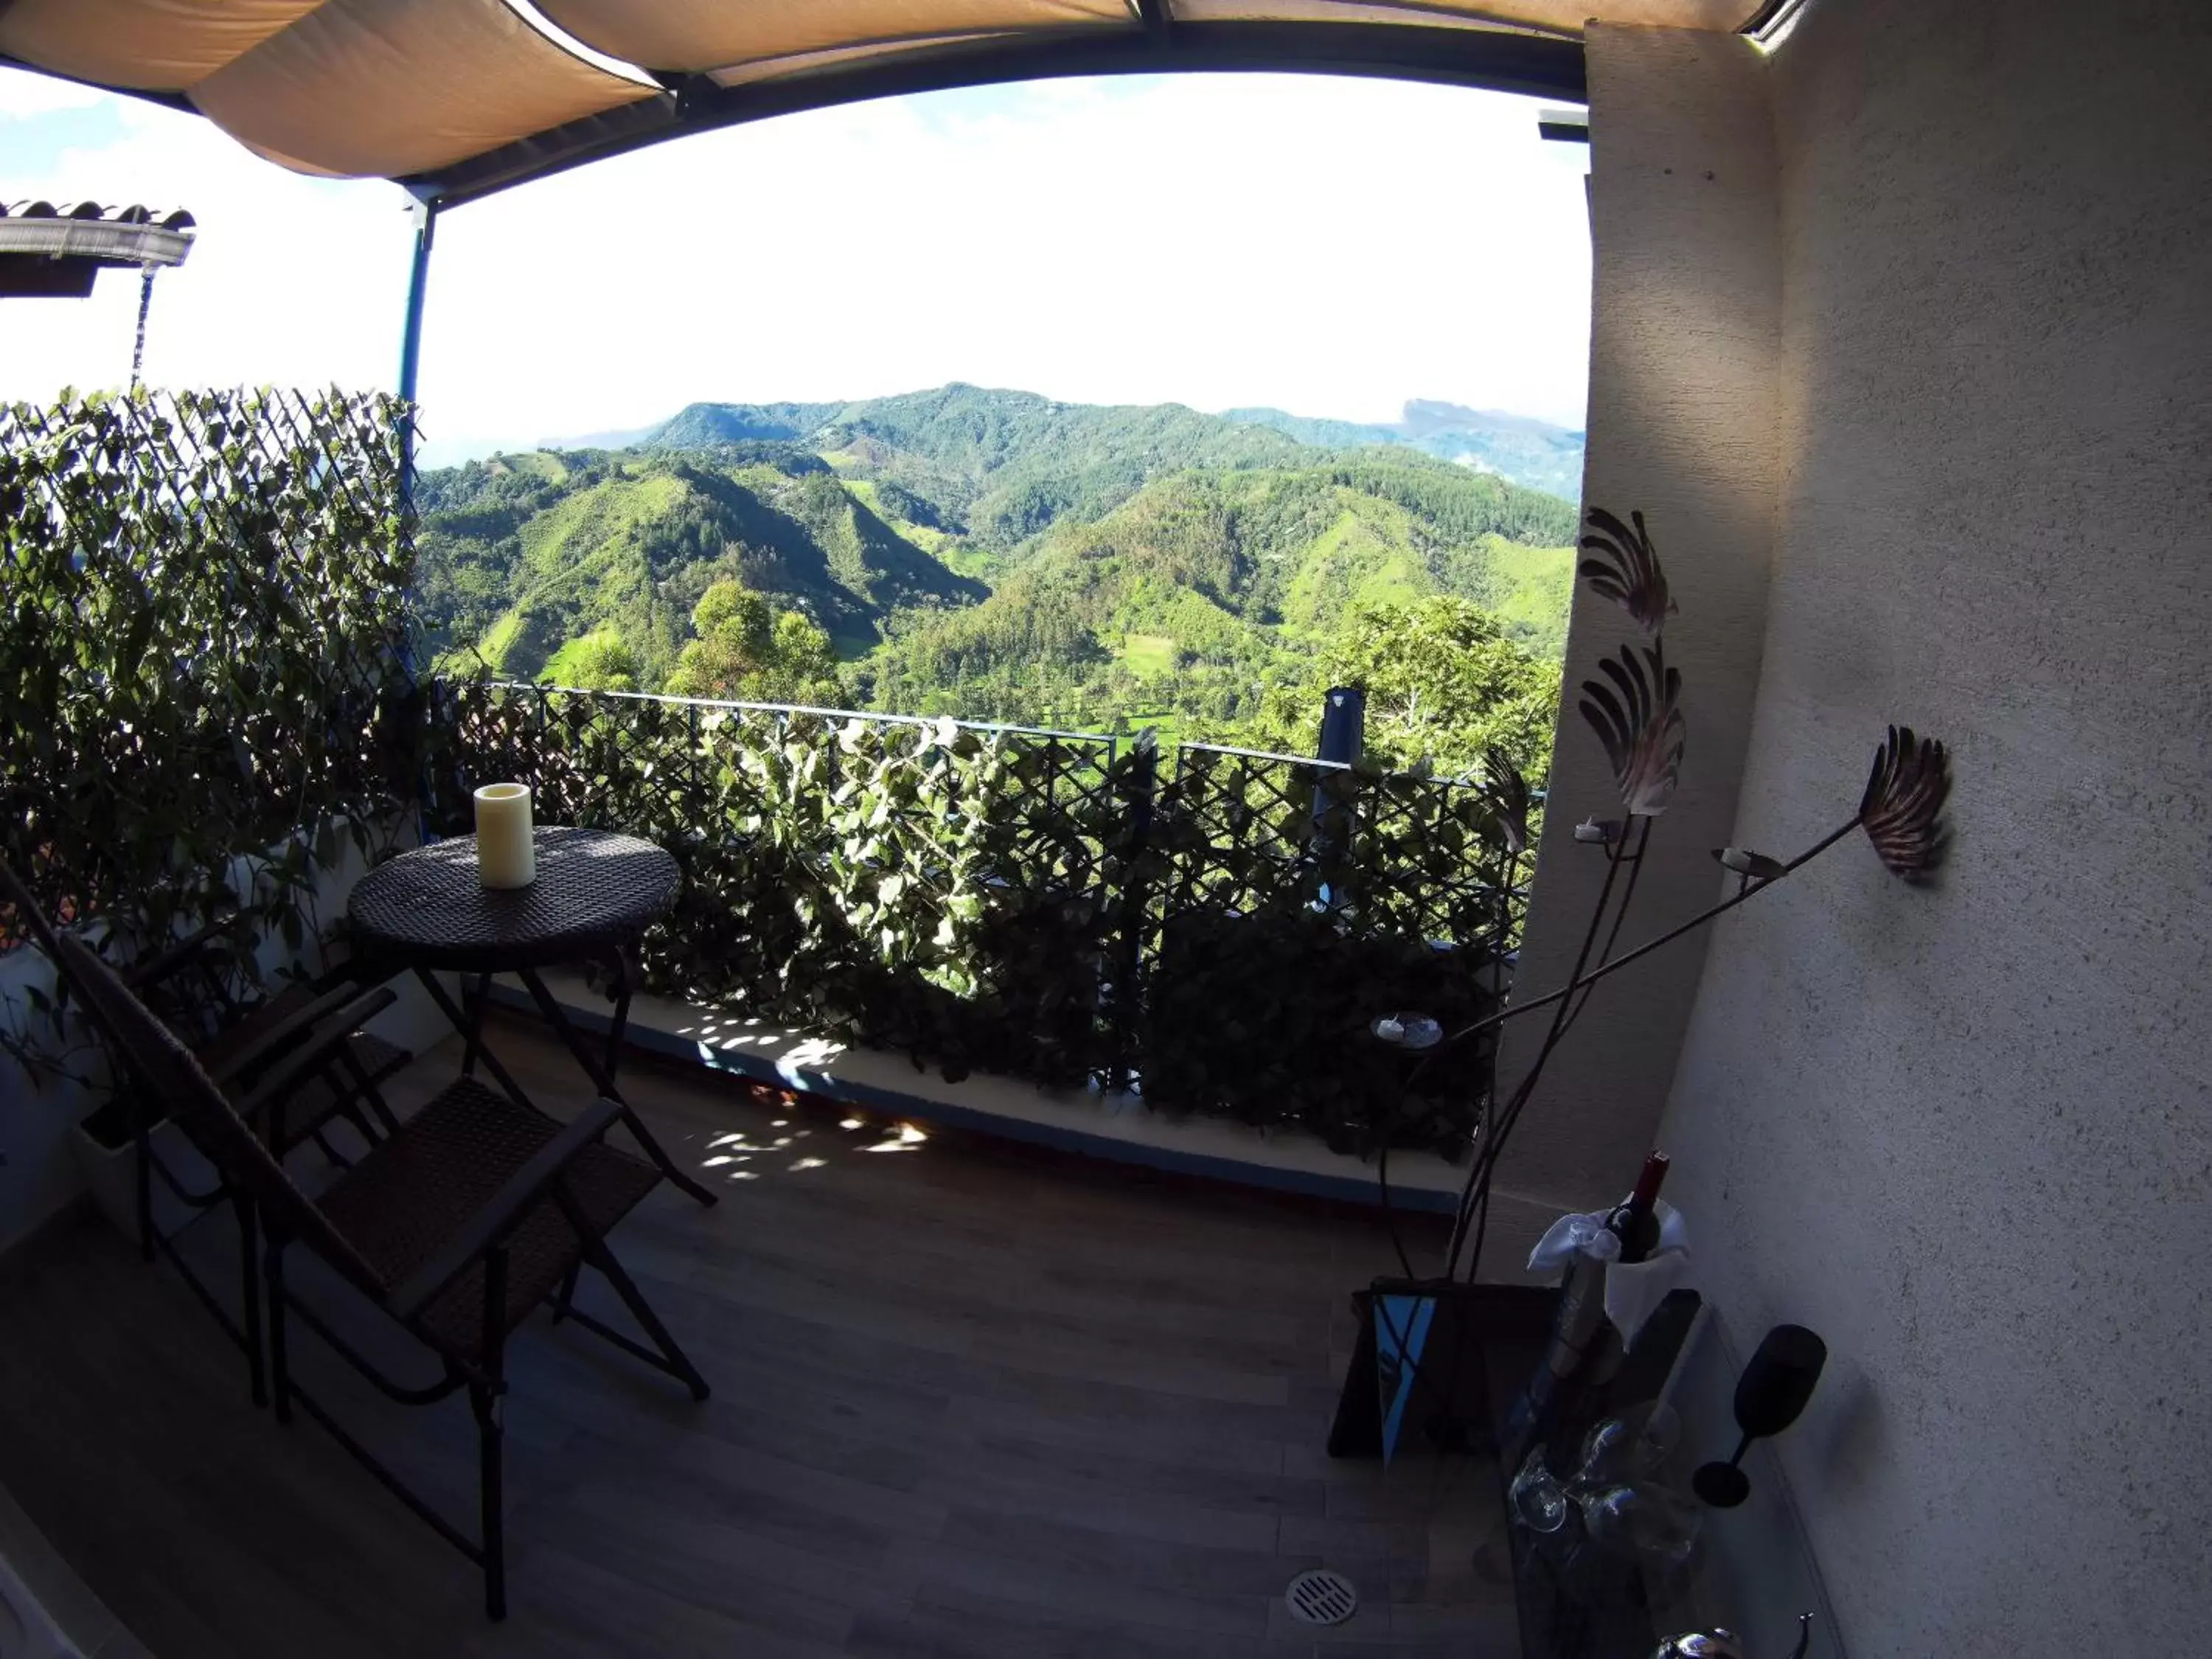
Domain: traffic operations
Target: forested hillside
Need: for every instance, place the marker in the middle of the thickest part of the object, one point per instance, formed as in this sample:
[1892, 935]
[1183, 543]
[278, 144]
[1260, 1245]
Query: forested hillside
[996, 555]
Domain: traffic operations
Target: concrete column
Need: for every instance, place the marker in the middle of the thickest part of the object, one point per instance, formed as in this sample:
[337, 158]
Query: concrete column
[1684, 335]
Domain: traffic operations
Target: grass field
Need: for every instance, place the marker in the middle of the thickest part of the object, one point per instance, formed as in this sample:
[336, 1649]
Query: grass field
[499, 638]
[1148, 655]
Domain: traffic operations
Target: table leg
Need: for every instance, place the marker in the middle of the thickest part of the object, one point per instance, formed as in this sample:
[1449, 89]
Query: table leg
[603, 1079]
[619, 990]
[473, 999]
[470, 1027]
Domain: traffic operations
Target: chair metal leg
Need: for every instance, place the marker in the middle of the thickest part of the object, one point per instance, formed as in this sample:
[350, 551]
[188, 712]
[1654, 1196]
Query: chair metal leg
[250, 1297]
[374, 1097]
[484, 1401]
[145, 1180]
[566, 1294]
[279, 1362]
[678, 1363]
[485, 1404]
[362, 1091]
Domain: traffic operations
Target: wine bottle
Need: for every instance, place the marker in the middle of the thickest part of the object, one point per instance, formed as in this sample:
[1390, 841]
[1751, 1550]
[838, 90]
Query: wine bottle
[1636, 1221]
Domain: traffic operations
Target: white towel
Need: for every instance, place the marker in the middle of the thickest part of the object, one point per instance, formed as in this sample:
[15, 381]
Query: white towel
[1631, 1292]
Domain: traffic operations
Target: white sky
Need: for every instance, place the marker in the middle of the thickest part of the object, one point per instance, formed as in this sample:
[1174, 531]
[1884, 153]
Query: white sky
[1331, 247]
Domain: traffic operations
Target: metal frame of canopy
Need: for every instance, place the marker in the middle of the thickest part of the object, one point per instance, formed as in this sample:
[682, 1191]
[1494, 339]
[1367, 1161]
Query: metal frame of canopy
[1493, 59]
[1487, 59]
[1496, 59]
[1457, 52]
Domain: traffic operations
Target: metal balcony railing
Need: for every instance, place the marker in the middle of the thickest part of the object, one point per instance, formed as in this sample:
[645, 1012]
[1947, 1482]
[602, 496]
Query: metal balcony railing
[1210, 927]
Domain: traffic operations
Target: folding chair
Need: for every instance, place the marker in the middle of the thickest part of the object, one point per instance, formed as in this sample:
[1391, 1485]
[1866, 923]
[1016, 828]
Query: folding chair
[236, 1042]
[190, 986]
[456, 1227]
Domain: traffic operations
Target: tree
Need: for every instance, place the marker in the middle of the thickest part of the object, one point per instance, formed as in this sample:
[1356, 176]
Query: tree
[745, 649]
[1443, 682]
[600, 661]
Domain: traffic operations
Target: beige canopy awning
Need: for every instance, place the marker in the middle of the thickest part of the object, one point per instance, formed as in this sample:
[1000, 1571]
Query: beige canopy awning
[460, 97]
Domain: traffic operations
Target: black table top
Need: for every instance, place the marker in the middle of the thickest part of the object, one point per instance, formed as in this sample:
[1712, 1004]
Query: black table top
[595, 892]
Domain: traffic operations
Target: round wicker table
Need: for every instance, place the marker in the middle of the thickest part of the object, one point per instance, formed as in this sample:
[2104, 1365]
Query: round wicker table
[596, 892]
[595, 895]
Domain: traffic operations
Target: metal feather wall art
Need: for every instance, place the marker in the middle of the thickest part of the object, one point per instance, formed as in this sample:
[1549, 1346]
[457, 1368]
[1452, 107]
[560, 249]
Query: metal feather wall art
[1902, 809]
[1634, 706]
[1637, 720]
[1627, 570]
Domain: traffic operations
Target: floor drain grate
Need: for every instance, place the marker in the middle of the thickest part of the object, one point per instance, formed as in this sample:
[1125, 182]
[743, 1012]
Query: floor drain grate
[1321, 1597]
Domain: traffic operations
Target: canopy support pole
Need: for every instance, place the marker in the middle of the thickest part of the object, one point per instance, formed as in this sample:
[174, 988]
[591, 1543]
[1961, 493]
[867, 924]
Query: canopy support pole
[425, 215]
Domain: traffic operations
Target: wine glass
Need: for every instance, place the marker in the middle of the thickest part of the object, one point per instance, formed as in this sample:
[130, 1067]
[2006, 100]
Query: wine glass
[1640, 1519]
[1539, 1501]
[1630, 1447]
[1769, 1395]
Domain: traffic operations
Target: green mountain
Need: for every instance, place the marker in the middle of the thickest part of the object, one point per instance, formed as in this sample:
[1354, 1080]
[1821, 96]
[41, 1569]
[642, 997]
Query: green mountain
[1207, 577]
[520, 554]
[989, 553]
[1515, 446]
[999, 466]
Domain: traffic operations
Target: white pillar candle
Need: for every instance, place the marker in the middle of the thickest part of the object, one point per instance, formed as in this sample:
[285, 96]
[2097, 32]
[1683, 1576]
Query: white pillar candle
[505, 854]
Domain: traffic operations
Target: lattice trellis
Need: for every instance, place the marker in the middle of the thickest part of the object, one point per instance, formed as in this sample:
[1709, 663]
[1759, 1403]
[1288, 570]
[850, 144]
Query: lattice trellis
[1298, 899]
[1389, 854]
[934, 883]
[1033, 901]
[205, 642]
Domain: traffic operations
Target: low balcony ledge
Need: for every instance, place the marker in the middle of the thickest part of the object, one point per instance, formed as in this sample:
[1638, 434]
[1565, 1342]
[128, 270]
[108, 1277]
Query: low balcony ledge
[1093, 1121]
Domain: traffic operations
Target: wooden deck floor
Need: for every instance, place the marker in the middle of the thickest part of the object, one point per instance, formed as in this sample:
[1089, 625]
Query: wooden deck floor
[969, 1400]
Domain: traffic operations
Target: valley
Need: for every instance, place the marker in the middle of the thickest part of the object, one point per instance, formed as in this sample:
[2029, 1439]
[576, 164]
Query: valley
[998, 555]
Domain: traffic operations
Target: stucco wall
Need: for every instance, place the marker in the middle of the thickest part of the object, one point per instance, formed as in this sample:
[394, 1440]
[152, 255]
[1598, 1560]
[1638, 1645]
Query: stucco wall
[1966, 1133]
[1684, 323]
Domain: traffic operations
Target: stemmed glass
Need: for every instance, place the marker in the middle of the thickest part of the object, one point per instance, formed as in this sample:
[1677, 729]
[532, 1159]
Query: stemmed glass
[1624, 1507]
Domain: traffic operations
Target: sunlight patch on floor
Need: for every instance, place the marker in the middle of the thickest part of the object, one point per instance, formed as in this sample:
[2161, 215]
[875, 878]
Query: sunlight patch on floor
[909, 1137]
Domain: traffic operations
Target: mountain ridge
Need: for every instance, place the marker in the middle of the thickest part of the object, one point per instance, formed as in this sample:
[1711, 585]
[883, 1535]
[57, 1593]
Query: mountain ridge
[987, 552]
[1521, 447]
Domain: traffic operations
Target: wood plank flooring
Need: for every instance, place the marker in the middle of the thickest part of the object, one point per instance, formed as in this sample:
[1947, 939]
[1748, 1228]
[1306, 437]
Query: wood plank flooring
[970, 1399]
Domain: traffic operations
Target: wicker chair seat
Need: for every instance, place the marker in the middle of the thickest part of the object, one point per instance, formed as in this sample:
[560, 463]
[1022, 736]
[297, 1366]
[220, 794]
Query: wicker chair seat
[320, 1098]
[413, 1193]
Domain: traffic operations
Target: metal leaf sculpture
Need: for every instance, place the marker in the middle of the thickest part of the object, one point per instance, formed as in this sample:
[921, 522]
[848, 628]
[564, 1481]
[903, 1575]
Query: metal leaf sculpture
[1636, 720]
[1902, 811]
[1509, 798]
[1627, 571]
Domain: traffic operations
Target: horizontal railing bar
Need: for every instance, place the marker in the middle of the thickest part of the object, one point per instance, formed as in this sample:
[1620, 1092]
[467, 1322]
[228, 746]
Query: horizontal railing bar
[806, 708]
[1535, 796]
[1268, 755]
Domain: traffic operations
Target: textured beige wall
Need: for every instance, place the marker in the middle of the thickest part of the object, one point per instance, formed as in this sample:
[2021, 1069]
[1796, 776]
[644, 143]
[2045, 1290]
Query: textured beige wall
[1966, 1133]
[1686, 319]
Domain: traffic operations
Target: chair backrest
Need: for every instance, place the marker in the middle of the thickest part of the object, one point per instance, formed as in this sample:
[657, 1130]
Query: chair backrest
[177, 1082]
